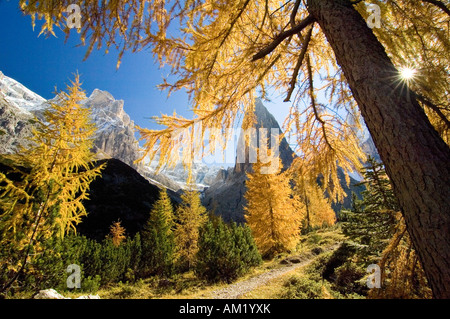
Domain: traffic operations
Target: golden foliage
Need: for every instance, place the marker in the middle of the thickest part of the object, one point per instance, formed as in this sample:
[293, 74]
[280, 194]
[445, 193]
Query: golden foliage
[55, 170]
[190, 216]
[402, 275]
[225, 53]
[416, 35]
[117, 233]
[163, 209]
[272, 212]
[62, 158]
[318, 210]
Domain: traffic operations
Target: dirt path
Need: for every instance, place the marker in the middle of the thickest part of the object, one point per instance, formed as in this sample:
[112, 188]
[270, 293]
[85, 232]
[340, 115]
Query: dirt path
[236, 290]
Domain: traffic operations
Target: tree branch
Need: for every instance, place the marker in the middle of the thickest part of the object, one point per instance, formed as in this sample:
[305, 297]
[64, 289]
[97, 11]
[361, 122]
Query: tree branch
[313, 103]
[227, 34]
[283, 35]
[439, 4]
[298, 65]
[294, 13]
[435, 108]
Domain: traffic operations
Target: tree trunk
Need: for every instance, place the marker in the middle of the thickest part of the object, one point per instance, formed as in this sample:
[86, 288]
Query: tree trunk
[417, 160]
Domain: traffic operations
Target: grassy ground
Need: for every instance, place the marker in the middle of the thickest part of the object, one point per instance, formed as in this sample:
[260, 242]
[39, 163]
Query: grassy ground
[188, 286]
[316, 240]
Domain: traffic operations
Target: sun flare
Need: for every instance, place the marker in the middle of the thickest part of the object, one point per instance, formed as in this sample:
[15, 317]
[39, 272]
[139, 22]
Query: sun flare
[407, 73]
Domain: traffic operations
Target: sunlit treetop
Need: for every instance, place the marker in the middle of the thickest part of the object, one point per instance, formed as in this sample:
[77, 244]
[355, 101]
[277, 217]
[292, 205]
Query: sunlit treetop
[224, 54]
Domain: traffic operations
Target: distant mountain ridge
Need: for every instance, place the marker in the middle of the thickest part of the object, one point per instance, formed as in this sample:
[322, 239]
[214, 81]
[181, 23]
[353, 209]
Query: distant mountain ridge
[16, 118]
[222, 189]
[115, 136]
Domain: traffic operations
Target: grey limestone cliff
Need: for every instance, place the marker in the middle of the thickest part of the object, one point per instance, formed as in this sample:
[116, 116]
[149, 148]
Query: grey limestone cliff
[225, 196]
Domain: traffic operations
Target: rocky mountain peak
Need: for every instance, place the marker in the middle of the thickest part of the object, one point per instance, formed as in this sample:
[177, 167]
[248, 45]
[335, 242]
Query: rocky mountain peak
[107, 109]
[101, 96]
[115, 136]
[226, 195]
[264, 119]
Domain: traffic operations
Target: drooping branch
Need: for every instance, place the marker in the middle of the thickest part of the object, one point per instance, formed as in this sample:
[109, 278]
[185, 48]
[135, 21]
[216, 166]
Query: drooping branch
[313, 102]
[283, 35]
[227, 34]
[266, 15]
[298, 65]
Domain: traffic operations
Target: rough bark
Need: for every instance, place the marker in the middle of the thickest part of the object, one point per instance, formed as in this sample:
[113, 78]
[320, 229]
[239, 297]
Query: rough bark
[417, 160]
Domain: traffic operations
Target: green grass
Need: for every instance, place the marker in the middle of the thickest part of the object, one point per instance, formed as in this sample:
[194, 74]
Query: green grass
[188, 286]
[293, 284]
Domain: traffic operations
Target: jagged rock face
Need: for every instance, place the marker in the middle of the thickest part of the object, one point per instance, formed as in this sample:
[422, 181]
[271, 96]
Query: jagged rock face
[15, 126]
[16, 118]
[19, 96]
[225, 196]
[265, 120]
[175, 178]
[115, 131]
[203, 174]
[368, 147]
[115, 136]
[159, 179]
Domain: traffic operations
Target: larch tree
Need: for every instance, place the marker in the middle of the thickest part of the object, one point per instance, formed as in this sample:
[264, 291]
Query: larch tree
[190, 216]
[262, 45]
[318, 210]
[56, 169]
[271, 211]
[117, 233]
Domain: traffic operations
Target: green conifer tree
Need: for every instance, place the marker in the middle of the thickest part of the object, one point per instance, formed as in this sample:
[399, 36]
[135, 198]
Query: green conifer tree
[375, 222]
[158, 239]
[225, 251]
[371, 221]
[135, 256]
[248, 251]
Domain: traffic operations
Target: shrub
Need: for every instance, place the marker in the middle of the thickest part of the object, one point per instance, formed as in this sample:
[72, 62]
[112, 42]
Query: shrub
[338, 258]
[348, 279]
[225, 252]
[297, 287]
[91, 284]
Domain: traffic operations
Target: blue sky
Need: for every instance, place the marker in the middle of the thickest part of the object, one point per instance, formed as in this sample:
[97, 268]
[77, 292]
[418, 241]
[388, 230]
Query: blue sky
[43, 63]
